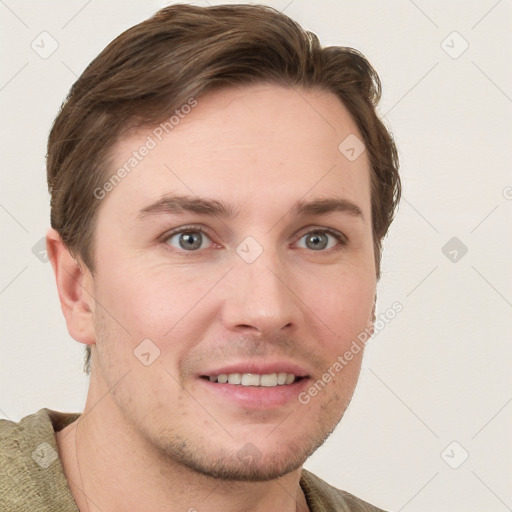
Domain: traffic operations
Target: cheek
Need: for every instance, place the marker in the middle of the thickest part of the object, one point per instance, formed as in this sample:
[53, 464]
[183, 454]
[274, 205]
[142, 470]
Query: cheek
[150, 301]
[158, 304]
[343, 305]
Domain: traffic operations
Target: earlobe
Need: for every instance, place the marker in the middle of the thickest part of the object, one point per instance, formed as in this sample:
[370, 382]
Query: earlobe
[75, 288]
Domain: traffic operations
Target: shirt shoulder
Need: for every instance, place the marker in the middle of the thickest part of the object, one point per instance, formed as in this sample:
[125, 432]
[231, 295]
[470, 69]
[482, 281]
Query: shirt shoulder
[31, 473]
[322, 497]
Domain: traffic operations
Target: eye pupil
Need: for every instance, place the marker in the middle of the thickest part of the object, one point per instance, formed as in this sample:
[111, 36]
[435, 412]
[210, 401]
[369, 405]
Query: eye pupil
[190, 240]
[317, 241]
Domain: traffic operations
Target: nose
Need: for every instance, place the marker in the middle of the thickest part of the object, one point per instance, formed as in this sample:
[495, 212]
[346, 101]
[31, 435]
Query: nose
[259, 297]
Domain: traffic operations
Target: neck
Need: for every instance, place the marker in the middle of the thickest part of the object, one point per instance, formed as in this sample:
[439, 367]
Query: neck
[110, 468]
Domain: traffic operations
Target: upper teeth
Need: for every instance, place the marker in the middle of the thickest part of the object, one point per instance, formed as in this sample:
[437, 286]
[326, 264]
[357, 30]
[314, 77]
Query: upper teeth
[254, 379]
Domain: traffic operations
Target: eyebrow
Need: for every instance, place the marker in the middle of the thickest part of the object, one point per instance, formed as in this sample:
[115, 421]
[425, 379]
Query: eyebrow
[174, 204]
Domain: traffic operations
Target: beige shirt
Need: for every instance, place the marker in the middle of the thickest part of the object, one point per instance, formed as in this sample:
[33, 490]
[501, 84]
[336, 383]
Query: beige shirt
[32, 477]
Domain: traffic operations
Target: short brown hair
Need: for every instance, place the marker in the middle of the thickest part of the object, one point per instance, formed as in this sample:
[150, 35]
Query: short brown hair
[182, 52]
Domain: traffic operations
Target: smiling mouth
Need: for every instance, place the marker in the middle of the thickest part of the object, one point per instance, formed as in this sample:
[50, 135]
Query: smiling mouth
[268, 380]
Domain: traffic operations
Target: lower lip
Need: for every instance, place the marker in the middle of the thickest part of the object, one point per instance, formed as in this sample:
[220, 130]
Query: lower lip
[257, 397]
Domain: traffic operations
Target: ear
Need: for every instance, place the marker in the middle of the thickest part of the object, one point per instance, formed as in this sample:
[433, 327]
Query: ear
[371, 323]
[76, 288]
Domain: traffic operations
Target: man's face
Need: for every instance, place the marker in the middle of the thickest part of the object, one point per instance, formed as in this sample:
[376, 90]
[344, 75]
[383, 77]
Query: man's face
[263, 286]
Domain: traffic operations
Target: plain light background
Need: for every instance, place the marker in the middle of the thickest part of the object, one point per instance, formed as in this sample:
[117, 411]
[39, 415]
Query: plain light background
[439, 372]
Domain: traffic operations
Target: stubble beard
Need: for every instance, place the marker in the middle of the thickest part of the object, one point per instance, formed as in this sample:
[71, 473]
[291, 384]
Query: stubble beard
[195, 453]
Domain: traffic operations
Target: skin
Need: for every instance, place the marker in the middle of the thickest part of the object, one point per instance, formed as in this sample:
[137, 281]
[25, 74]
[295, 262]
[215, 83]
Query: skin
[158, 437]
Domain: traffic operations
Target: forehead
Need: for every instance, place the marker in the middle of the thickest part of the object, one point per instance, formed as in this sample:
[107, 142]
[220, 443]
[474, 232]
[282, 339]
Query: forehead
[245, 145]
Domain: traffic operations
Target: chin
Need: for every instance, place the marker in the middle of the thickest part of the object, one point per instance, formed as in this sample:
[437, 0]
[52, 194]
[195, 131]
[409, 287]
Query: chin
[247, 464]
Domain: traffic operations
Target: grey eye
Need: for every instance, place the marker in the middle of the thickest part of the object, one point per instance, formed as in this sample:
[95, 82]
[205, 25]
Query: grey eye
[189, 240]
[317, 241]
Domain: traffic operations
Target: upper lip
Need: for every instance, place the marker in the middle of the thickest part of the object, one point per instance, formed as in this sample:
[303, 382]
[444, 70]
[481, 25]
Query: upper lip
[258, 368]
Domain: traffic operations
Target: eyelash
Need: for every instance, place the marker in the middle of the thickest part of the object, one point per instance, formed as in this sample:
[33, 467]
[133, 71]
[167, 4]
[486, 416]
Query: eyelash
[340, 237]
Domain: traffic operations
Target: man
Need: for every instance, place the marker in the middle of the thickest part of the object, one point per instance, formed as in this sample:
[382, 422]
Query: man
[220, 186]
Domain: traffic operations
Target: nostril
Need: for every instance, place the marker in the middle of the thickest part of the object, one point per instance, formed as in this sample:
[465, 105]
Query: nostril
[247, 329]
